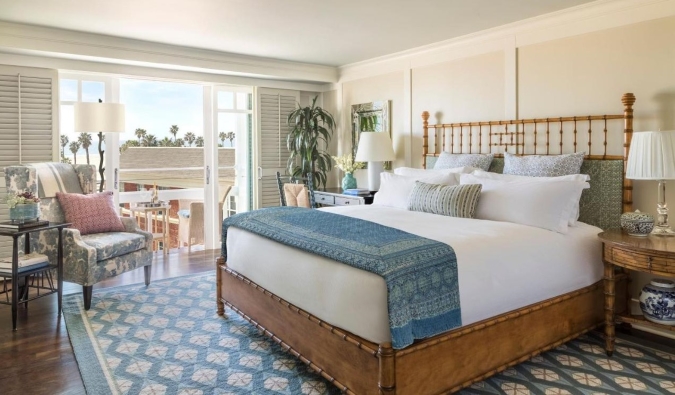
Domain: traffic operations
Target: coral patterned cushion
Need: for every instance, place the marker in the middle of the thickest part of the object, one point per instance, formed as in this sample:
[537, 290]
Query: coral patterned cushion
[93, 213]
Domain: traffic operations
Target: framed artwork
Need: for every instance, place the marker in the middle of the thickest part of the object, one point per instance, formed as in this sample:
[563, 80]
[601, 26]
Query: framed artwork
[369, 117]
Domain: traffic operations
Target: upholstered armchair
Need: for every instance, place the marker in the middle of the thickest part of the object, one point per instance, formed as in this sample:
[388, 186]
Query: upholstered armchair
[88, 259]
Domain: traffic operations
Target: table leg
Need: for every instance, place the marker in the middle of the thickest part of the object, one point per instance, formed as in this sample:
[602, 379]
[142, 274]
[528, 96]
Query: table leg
[610, 296]
[59, 269]
[15, 280]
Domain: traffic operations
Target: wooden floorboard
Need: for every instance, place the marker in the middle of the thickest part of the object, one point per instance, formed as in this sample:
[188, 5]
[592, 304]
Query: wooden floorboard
[38, 358]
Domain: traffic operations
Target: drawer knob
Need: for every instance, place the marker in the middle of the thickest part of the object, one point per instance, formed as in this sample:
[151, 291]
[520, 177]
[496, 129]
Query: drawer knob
[649, 262]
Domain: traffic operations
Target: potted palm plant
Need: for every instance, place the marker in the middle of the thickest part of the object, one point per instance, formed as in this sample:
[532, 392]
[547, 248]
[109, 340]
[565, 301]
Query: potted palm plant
[312, 129]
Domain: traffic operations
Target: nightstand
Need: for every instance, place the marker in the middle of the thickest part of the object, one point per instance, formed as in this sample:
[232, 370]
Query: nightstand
[335, 197]
[651, 254]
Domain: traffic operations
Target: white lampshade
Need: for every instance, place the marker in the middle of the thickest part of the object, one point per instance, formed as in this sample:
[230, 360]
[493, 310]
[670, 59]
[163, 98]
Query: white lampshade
[99, 117]
[374, 147]
[651, 156]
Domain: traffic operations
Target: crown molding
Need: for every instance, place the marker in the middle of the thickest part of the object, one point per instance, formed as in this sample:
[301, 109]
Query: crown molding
[66, 44]
[582, 19]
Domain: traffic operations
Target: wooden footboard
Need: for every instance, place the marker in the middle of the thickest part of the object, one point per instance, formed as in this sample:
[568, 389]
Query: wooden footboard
[446, 362]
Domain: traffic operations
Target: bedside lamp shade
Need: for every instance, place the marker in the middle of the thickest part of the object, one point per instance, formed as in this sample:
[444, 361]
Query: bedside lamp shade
[99, 117]
[374, 148]
[652, 157]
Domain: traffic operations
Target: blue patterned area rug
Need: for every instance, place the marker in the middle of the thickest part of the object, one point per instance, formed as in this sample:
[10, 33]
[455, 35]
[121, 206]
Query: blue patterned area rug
[167, 339]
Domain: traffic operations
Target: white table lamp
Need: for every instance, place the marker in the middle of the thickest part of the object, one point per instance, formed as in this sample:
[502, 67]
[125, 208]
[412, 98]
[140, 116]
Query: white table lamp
[99, 118]
[652, 157]
[374, 148]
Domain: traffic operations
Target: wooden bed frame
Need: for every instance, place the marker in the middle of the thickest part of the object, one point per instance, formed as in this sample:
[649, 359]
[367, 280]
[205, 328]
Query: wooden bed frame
[452, 360]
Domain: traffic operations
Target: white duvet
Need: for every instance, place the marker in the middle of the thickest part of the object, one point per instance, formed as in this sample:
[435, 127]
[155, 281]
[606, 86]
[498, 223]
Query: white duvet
[501, 266]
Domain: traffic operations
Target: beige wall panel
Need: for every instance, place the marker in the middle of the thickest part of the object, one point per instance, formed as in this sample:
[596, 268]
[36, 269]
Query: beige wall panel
[470, 89]
[382, 87]
[589, 73]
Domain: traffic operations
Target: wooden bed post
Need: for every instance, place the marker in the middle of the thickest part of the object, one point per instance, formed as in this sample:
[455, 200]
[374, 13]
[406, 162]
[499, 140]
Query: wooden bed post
[627, 99]
[425, 138]
[219, 281]
[385, 353]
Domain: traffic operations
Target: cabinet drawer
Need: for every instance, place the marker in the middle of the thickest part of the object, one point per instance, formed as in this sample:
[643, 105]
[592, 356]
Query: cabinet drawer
[639, 260]
[345, 201]
[324, 199]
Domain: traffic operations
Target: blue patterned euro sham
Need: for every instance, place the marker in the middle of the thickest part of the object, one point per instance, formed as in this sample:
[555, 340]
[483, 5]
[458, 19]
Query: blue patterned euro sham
[421, 274]
[543, 165]
[447, 160]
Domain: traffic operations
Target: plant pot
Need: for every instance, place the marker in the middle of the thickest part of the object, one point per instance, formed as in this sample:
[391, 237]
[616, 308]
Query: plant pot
[657, 301]
[24, 212]
[348, 181]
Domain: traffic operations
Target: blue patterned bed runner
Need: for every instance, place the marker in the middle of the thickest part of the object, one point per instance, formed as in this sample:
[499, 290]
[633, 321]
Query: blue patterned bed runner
[421, 274]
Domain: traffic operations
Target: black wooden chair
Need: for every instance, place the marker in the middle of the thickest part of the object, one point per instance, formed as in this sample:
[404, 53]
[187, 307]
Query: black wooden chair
[307, 182]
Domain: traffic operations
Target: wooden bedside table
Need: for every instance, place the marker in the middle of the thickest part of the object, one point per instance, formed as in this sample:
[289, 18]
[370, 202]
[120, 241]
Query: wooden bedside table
[651, 254]
[335, 197]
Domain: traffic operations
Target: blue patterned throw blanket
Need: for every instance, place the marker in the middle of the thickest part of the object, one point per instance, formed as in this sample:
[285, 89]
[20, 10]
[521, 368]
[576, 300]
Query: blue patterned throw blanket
[421, 274]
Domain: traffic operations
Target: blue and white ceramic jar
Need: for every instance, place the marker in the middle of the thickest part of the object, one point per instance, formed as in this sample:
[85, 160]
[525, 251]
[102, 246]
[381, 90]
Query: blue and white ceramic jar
[637, 223]
[657, 301]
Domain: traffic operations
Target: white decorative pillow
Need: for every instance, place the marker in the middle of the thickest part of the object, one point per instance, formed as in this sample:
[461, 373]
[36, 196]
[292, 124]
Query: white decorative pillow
[574, 216]
[543, 165]
[529, 202]
[395, 190]
[413, 172]
[447, 160]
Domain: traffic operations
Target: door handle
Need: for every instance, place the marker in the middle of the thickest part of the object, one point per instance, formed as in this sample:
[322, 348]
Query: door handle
[208, 175]
[260, 173]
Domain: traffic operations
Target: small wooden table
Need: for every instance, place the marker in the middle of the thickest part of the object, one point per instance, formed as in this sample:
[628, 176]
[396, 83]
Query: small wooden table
[335, 197]
[149, 213]
[651, 254]
[15, 275]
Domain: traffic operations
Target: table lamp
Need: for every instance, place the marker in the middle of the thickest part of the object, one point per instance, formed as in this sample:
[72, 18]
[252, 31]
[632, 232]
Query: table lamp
[99, 118]
[652, 157]
[374, 148]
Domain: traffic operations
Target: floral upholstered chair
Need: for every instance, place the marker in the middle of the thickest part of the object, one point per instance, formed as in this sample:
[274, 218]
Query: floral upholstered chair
[87, 259]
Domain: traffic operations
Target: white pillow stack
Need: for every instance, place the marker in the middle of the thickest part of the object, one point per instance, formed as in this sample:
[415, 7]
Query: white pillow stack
[395, 189]
[545, 202]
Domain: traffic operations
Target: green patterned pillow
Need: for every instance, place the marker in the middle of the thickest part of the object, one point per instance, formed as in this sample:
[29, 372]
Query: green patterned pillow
[453, 201]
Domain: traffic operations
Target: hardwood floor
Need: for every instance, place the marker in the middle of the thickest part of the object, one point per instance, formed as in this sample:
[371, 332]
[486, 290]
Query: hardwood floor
[38, 358]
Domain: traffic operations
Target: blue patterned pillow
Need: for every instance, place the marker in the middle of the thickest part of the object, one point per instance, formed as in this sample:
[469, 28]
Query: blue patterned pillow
[448, 161]
[543, 165]
[452, 201]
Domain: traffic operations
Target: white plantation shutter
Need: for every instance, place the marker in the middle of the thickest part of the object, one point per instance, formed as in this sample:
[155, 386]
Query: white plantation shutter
[274, 107]
[26, 128]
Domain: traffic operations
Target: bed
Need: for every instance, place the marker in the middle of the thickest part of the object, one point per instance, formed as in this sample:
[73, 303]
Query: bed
[334, 317]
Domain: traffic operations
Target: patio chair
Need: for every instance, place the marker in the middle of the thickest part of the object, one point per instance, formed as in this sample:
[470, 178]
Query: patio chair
[87, 259]
[191, 220]
[296, 191]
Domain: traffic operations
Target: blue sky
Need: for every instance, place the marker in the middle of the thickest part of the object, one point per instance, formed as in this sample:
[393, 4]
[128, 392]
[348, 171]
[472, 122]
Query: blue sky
[150, 105]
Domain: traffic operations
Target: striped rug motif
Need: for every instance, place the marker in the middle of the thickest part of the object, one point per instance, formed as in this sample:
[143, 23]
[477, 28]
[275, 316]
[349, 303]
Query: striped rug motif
[167, 339]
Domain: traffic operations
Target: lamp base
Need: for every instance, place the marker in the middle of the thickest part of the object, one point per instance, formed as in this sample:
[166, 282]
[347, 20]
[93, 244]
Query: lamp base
[663, 231]
[374, 170]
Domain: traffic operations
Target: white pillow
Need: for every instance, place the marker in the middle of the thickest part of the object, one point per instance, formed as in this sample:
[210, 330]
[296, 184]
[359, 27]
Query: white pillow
[574, 216]
[395, 190]
[413, 172]
[529, 202]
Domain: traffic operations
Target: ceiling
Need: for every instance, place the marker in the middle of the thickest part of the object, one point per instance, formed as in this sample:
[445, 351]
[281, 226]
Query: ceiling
[324, 32]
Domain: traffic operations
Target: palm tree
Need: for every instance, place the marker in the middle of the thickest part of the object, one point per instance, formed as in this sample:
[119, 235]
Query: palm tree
[199, 142]
[165, 142]
[223, 137]
[189, 138]
[129, 143]
[64, 143]
[140, 133]
[85, 140]
[179, 143]
[174, 130]
[230, 136]
[74, 147]
[149, 140]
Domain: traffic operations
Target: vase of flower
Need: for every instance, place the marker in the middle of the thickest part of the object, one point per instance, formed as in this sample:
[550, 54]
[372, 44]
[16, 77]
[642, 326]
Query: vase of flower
[23, 206]
[348, 181]
[346, 163]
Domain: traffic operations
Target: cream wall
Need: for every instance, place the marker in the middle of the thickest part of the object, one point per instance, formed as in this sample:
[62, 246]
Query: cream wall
[582, 74]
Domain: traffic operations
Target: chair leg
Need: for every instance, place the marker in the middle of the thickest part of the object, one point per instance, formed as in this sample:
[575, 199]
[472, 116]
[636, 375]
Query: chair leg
[86, 292]
[148, 270]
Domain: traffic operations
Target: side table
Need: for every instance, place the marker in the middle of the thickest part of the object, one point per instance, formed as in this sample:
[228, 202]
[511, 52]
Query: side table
[651, 254]
[149, 213]
[335, 197]
[15, 234]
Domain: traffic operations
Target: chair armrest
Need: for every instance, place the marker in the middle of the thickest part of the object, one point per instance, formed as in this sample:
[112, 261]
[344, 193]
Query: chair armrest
[131, 226]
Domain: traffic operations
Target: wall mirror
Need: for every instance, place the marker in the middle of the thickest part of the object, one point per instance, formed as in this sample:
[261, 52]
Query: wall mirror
[369, 117]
